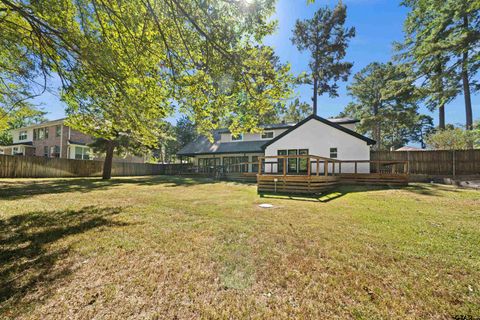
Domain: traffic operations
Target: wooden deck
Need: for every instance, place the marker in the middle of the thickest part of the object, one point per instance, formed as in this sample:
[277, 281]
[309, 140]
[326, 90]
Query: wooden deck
[320, 174]
[296, 184]
[374, 178]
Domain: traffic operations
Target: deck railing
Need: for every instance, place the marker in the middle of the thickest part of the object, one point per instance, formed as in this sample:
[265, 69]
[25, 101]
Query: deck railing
[311, 165]
[297, 165]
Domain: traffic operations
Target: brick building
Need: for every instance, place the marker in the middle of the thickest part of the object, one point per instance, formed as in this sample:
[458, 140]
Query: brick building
[54, 139]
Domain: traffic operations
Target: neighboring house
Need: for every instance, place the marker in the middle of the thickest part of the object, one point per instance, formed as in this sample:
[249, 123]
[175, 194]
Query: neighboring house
[332, 138]
[54, 139]
[408, 148]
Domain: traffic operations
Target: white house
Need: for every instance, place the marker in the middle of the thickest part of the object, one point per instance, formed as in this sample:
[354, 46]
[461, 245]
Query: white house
[332, 138]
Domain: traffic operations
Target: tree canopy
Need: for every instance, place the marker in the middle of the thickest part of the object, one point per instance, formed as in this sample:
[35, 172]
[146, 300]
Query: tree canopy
[126, 66]
[386, 101]
[442, 37]
[326, 39]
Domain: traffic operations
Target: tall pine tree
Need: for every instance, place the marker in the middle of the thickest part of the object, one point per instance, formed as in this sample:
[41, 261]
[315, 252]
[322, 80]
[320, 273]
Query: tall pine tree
[443, 37]
[386, 100]
[326, 38]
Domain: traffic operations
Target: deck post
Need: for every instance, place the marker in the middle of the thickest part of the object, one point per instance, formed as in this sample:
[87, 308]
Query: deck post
[356, 167]
[333, 168]
[318, 167]
[259, 166]
[325, 168]
[308, 168]
[340, 167]
[284, 167]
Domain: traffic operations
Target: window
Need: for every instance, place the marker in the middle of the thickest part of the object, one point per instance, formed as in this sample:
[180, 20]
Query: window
[39, 134]
[58, 131]
[237, 138]
[280, 160]
[333, 153]
[267, 135]
[292, 163]
[208, 164]
[45, 151]
[232, 164]
[46, 132]
[82, 153]
[255, 164]
[22, 135]
[303, 162]
[55, 151]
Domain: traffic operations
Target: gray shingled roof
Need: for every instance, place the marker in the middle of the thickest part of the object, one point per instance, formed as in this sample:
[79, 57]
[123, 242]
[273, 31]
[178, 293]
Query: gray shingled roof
[343, 120]
[203, 146]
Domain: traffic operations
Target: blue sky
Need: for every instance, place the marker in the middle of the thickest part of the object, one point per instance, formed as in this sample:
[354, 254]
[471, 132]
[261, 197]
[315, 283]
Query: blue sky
[378, 23]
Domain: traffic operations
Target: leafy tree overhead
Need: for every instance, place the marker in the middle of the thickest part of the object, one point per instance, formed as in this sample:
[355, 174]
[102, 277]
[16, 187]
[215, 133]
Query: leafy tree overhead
[125, 65]
[386, 101]
[443, 37]
[326, 39]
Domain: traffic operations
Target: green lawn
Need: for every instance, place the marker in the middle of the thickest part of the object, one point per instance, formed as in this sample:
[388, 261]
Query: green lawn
[163, 247]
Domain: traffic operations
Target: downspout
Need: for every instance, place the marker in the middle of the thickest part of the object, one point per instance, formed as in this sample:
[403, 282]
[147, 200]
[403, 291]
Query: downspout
[69, 131]
[61, 141]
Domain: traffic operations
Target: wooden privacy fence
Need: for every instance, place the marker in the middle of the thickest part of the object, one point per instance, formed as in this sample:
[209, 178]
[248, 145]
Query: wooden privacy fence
[434, 162]
[38, 167]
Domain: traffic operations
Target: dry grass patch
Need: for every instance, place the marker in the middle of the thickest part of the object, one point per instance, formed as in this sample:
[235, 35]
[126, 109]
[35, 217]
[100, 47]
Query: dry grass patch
[164, 247]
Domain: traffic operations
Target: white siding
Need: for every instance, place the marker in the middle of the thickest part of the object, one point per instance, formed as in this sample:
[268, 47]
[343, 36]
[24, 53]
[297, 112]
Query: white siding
[227, 137]
[318, 138]
[16, 132]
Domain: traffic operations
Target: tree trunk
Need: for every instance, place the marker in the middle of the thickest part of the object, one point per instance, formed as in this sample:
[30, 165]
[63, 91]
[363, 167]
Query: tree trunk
[441, 116]
[376, 129]
[466, 84]
[315, 95]
[107, 164]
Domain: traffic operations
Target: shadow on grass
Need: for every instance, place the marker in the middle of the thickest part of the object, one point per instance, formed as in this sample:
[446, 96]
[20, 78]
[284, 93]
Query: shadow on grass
[17, 189]
[28, 258]
[340, 191]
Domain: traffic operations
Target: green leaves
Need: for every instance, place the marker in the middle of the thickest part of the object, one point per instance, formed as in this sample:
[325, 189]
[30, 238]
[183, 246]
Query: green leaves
[442, 39]
[454, 139]
[127, 65]
[386, 101]
[326, 39]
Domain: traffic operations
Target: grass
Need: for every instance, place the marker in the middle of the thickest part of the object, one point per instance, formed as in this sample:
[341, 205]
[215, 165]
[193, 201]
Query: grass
[164, 247]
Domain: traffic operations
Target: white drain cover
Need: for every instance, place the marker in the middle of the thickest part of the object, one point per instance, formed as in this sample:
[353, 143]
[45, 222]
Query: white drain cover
[265, 205]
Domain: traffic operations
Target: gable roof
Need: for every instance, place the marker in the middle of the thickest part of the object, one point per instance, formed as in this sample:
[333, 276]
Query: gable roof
[325, 121]
[202, 145]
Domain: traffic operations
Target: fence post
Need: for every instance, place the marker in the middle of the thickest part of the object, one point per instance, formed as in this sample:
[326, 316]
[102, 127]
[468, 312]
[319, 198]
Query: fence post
[453, 163]
[408, 162]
